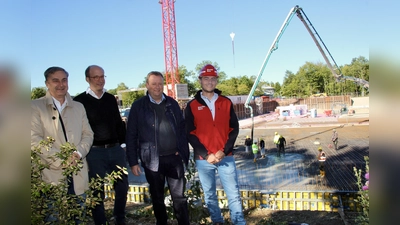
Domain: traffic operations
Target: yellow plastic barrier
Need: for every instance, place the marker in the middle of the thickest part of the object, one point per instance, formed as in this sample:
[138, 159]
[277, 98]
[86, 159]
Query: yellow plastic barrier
[278, 200]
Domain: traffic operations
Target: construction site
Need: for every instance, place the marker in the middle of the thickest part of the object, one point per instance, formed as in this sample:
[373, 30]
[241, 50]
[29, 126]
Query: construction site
[288, 180]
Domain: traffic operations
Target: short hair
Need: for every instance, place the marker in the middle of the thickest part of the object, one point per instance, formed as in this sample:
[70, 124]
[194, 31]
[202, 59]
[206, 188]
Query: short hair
[155, 73]
[87, 71]
[52, 70]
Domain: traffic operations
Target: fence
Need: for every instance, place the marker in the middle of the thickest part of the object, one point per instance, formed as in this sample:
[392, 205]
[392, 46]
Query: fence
[335, 103]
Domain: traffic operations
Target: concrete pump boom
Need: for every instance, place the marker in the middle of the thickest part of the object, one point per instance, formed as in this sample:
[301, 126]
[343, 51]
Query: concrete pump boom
[338, 76]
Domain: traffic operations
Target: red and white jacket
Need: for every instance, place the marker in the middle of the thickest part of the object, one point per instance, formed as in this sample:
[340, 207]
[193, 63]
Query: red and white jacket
[206, 135]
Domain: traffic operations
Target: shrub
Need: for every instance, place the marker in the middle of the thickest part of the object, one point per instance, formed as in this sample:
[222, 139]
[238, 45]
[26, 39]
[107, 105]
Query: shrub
[363, 187]
[52, 199]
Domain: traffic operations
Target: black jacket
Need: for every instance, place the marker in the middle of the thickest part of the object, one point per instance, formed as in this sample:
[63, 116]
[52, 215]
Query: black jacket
[141, 135]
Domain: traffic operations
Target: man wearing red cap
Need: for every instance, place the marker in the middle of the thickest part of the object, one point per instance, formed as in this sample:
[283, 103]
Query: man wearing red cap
[212, 127]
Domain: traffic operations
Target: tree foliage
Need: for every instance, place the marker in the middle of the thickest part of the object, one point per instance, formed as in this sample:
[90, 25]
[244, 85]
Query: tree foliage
[311, 78]
[129, 97]
[38, 92]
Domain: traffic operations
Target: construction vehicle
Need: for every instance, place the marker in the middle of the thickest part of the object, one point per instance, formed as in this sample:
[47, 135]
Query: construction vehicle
[337, 73]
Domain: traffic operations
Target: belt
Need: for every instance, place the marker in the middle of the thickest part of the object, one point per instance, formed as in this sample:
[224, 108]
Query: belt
[176, 153]
[105, 145]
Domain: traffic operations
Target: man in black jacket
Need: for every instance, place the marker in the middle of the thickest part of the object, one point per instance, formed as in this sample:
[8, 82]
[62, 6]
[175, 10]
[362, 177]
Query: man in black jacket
[156, 135]
[107, 151]
[281, 144]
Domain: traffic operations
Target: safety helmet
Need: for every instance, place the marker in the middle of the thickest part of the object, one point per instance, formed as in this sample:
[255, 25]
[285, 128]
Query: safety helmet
[208, 70]
[276, 133]
[247, 136]
[334, 130]
[319, 148]
[255, 142]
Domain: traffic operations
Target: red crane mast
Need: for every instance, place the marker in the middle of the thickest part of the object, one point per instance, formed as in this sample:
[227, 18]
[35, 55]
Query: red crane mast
[170, 47]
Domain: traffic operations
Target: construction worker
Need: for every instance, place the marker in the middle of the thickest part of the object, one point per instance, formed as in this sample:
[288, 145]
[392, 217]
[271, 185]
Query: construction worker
[254, 147]
[276, 140]
[262, 148]
[335, 137]
[248, 143]
[281, 144]
[321, 159]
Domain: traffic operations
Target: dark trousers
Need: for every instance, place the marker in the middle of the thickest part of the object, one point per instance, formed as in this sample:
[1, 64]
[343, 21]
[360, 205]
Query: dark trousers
[321, 167]
[170, 169]
[335, 142]
[281, 148]
[103, 161]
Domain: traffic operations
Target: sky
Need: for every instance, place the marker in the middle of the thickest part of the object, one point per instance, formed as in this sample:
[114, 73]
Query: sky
[125, 36]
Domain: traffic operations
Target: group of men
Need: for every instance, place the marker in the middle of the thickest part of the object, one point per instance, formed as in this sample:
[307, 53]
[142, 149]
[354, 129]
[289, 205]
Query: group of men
[157, 133]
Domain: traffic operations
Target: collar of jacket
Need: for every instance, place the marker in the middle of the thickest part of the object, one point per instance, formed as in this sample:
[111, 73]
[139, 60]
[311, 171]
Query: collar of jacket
[167, 99]
[198, 97]
[49, 99]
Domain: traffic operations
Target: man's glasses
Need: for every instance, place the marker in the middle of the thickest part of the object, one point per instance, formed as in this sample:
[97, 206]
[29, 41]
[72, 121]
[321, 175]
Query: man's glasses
[98, 77]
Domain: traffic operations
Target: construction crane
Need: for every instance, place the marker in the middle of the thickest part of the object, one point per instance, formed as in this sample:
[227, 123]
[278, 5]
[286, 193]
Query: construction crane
[338, 75]
[170, 46]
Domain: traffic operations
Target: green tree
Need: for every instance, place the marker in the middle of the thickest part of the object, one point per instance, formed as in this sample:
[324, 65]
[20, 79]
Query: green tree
[121, 86]
[184, 78]
[130, 97]
[277, 86]
[314, 76]
[229, 86]
[38, 92]
[127, 97]
[290, 84]
[358, 68]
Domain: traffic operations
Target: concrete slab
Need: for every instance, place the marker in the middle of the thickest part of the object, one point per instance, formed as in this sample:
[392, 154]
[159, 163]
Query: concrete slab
[297, 169]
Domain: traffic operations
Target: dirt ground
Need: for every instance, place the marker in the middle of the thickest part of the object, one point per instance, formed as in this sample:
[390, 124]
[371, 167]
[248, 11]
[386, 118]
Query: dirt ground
[253, 217]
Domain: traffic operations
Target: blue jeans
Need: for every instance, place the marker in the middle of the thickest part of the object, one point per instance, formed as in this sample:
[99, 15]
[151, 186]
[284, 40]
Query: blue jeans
[228, 176]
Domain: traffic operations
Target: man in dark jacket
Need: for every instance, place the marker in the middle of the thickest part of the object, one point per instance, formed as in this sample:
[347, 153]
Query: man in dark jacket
[248, 142]
[156, 135]
[281, 144]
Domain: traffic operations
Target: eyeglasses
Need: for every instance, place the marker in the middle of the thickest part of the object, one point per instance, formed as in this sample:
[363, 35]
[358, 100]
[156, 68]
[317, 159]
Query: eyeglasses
[212, 79]
[98, 77]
